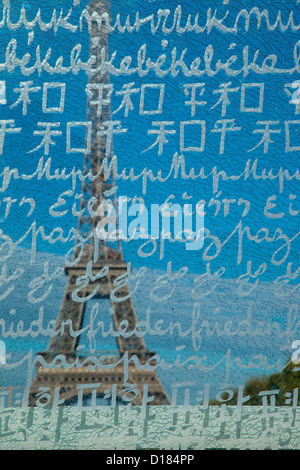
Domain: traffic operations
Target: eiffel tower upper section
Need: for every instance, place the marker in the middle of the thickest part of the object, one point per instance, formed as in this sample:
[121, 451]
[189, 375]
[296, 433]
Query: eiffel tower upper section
[97, 188]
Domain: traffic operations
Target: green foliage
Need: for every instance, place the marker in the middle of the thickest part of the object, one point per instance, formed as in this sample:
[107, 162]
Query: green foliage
[285, 381]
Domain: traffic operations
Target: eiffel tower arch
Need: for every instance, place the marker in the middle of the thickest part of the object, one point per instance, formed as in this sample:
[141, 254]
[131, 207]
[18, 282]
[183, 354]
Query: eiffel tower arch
[132, 363]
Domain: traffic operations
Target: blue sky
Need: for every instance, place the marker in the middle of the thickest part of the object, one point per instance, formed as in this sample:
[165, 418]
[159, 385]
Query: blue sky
[131, 147]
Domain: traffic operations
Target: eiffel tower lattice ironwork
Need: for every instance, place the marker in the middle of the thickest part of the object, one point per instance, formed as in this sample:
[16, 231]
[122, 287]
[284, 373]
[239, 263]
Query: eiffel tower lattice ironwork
[96, 254]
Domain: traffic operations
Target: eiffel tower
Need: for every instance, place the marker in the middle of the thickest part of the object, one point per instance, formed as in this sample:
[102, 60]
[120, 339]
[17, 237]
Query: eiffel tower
[95, 254]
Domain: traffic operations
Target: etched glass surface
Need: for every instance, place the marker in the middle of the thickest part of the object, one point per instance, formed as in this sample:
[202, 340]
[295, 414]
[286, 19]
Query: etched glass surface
[149, 239]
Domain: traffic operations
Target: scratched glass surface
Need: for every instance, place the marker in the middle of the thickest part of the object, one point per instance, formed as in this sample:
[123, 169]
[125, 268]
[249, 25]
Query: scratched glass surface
[183, 118]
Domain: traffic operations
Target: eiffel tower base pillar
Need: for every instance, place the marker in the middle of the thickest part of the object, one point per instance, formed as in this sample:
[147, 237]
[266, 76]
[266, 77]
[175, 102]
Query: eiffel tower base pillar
[75, 383]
